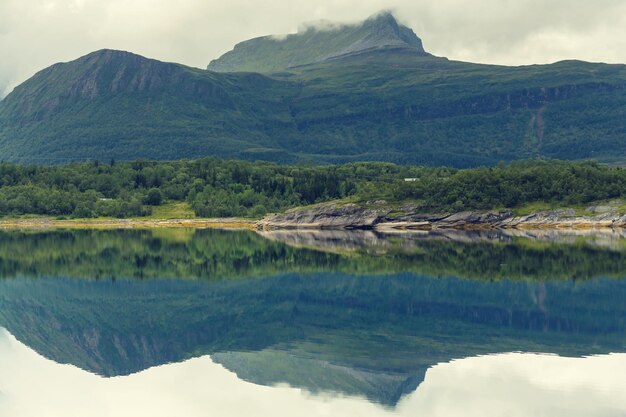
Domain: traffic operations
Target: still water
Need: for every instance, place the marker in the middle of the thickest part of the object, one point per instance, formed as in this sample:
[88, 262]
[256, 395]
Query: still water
[216, 323]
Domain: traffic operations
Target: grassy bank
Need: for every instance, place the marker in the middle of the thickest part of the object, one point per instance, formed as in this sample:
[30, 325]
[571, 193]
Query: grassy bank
[170, 215]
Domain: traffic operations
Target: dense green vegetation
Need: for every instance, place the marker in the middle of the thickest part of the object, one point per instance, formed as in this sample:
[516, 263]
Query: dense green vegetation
[384, 104]
[212, 187]
[521, 183]
[218, 188]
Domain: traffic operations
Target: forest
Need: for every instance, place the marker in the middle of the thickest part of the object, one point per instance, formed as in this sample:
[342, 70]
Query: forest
[224, 188]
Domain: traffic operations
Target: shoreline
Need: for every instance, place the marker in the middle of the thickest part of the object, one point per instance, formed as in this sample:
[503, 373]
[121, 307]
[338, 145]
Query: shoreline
[334, 216]
[385, 227]
[50, 223]
[382, 219]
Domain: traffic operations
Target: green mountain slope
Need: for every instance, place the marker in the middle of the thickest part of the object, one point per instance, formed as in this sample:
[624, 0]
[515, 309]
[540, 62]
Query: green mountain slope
[363, 92]
[393, 105]
[114, 104]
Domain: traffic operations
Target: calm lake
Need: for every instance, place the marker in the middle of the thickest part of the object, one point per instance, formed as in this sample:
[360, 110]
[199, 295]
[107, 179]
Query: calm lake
[229, 323]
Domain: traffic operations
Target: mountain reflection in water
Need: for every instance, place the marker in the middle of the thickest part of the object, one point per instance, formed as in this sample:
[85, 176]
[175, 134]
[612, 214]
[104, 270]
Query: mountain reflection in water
[340, 315]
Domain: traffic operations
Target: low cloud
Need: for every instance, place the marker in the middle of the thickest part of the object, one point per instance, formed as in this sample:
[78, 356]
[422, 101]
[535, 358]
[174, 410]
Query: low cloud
[37, 33]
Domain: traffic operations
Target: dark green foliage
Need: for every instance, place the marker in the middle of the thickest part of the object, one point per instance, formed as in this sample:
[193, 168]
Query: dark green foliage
[213, 188]
[555, 182]
[154, 197]
[217, 188]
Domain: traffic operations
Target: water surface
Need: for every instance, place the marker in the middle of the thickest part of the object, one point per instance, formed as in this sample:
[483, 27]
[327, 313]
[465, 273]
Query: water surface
[201, 322]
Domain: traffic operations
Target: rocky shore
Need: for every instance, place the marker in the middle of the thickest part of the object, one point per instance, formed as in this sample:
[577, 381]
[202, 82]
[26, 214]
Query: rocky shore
[352, 216]
[375, 217]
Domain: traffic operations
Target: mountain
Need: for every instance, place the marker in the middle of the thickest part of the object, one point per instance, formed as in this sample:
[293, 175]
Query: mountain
[312, 45]
[338, 94]
[114, 104]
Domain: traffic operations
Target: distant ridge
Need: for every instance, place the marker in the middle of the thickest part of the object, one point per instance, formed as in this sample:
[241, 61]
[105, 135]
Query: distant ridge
[311, 45]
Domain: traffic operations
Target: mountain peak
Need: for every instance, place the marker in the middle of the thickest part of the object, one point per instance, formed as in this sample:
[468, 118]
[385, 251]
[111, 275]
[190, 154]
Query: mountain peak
[318, 43]
[112, 53]
[103, 73]
[385, 26]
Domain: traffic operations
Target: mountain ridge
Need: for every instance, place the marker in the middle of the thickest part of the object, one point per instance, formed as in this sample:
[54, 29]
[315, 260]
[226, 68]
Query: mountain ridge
[392, 103]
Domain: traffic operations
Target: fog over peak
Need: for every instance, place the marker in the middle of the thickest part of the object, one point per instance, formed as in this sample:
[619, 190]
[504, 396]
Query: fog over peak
[37, 33]
[318, 44]
[329, 25]
[322, 25]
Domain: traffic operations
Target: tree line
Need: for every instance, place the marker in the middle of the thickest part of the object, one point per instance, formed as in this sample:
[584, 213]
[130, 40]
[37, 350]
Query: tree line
[220, 188]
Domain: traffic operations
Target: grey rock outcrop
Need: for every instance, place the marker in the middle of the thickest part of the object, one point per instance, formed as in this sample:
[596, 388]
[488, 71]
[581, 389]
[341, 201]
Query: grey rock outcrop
[563, 218]
[352, 216]
[348, 216]
[474, 218]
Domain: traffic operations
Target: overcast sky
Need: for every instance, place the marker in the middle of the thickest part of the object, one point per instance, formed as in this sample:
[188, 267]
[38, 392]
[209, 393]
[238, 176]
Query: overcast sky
[37, 33]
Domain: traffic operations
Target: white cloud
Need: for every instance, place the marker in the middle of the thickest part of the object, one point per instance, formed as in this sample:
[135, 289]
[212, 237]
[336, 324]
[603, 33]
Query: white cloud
[37, 33]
